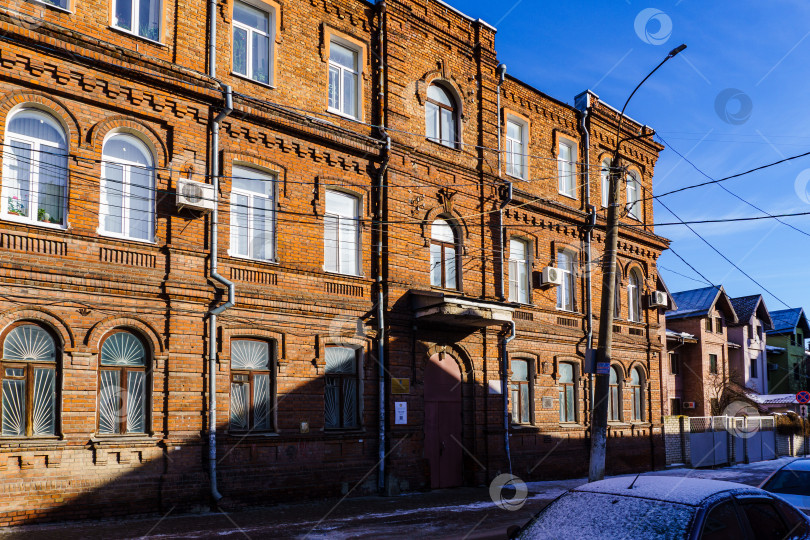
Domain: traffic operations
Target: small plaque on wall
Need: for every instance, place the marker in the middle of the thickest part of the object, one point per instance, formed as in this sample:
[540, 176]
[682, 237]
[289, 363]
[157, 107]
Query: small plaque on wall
[400, 386]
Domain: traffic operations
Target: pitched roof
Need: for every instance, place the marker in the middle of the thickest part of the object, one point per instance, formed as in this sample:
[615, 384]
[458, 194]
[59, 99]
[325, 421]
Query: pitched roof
[698, 303]
[786, 320]
[746, 306]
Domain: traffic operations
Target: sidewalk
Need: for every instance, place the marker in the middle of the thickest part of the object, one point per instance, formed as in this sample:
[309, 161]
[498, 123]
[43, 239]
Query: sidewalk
[452, 513]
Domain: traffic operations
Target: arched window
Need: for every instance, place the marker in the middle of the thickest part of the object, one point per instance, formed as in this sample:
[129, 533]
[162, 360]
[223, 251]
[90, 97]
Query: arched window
[634, 296]
[617, 294]
[636, 389]
[29, 401]
[35, 169]
[252, 378]
[615, 401]
[604, 177]
[443, 255]
[440, 116]
[633, 196]
[127, 189]
[568, 405]
[123, 387]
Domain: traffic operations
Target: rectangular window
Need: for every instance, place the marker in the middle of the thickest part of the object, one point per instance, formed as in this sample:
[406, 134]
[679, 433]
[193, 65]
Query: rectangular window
[139, 17]
[565, 292]
[341, 392]
[674, 363]
[253, 216]
[252, 43]
[718, 324]
[341, 235]
[568, 411]
[604, 178]
[518, 271]
[753, 369]
[713, 364]
[520, 389]
[565, 165]
[516, 154]
[708, 322]
[344, 79]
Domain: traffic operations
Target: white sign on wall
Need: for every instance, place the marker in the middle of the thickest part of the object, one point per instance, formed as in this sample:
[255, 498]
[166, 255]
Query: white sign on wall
[400, 412]
[495, 387]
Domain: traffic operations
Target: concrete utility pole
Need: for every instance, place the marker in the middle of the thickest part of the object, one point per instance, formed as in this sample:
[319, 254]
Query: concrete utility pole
[596, 470]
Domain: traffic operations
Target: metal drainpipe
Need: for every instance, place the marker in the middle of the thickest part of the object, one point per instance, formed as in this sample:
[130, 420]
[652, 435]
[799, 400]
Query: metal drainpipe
[212, 314]
[379, 248]
[501, 71]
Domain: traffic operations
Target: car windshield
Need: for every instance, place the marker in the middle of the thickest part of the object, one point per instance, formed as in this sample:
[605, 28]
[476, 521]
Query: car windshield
[595, 516]
[789, 482]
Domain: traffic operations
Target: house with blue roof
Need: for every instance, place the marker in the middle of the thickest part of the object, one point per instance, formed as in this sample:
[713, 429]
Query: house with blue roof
[788, 368]
[749, 362]
[698, 352]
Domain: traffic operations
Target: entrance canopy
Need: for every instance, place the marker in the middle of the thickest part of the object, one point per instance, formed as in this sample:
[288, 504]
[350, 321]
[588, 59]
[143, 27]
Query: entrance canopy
[442, 308]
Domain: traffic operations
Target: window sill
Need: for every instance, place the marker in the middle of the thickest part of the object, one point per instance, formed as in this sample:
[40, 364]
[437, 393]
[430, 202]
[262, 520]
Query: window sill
[41, 224]
[126, 238]
[517, 177]
[566, 195]
[254, 81]
[51, 442]
[343, 431]
[273, 261]
[53, 7]
[456, 146]
[124, 439]
[332, 273]
[138, 36]
[568, 311]
[241, 435]
[342, 114]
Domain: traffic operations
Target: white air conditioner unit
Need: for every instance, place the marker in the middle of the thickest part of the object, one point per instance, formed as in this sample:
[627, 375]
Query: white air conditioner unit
[196, 195]
[658, 299]
[551, 276]
[688, 405]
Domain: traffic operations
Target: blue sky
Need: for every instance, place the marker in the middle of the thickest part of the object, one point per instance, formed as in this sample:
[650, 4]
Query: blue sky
[735, 99]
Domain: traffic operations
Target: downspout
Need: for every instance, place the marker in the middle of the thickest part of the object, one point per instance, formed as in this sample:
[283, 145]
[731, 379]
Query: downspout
[379, 247]
[501, 71]
[212, 314]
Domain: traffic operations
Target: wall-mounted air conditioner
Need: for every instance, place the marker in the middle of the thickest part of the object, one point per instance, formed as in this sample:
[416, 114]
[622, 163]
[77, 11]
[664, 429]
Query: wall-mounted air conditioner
[658, 299]
[551, 276]
[196, 195]
[688, 404]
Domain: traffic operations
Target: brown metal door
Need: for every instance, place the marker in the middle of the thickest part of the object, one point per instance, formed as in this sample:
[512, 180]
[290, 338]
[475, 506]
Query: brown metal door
[443, 421]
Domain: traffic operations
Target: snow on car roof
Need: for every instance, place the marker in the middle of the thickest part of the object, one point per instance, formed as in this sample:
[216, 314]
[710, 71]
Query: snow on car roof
[682, 490]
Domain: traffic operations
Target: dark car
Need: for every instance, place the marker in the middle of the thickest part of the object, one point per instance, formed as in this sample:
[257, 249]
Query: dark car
[667, 507]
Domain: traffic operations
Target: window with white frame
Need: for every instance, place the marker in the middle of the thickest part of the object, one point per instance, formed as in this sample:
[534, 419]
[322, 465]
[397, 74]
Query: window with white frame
[604, 177]
[516, 154]
[29, 406]
[443, 253]
[61, 4]
[341, 397]
[637, 394]
[565, 291]
[344, 79]
[123, 387]
[520, 388]
[519, 265]
[568, 403]
[634, 296]
[615, 396]
[35, 169]
[440, 116]
[251, 385]
[565, 168]
[139, 17]
[633, 197]
[341, 244]
[127, 189]
[253, 215]
[253, 31]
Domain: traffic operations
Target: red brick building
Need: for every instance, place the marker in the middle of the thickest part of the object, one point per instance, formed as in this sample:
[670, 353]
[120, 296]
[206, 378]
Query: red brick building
[365, 218]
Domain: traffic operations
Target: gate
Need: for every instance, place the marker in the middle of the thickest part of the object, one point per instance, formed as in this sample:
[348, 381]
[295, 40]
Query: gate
[721, 440]
[708, 441]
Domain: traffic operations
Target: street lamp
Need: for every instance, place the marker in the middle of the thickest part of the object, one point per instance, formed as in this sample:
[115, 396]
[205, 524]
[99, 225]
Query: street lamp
[604, 353]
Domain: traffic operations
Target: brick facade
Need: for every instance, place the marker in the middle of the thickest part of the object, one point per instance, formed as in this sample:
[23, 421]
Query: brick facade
[82, 285]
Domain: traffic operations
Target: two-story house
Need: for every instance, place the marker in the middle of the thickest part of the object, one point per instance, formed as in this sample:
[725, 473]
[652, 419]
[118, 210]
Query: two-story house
[698, 350]
[748, 363]
[787, 361]
[275, 250]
